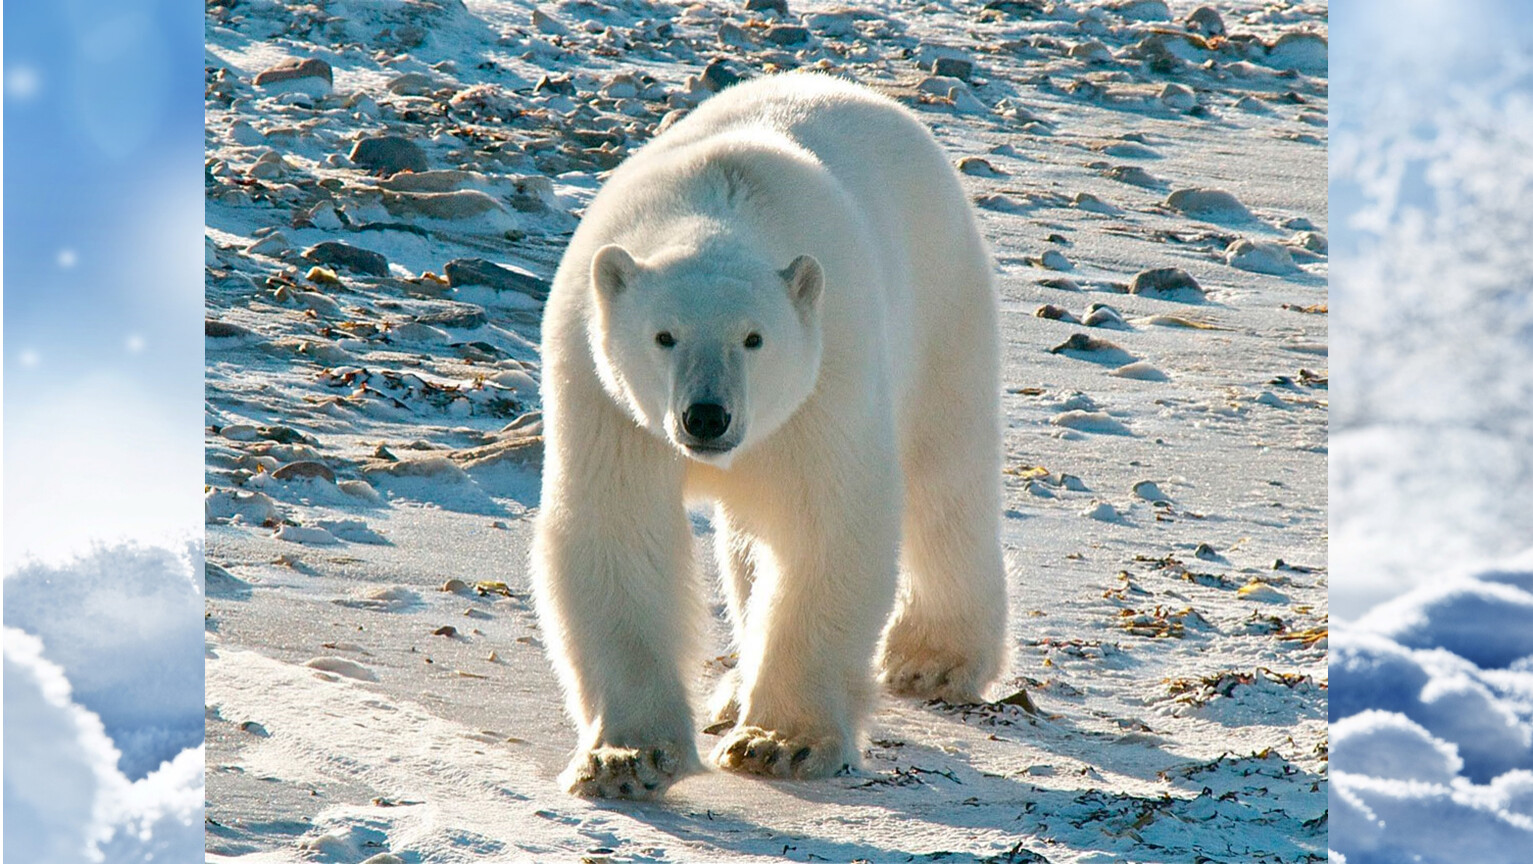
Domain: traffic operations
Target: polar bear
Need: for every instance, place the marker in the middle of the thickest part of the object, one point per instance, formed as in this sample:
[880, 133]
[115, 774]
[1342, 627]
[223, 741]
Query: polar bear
[782, 304]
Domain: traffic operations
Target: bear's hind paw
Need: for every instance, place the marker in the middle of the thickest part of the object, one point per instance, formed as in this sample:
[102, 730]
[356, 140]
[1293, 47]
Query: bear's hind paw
[623, 772]
[934, 676]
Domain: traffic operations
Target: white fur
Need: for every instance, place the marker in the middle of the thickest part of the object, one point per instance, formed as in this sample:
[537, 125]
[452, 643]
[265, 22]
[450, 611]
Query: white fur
[867, 422]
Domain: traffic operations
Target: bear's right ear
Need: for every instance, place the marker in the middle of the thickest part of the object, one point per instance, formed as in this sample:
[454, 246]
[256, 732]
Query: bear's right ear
[612, 271]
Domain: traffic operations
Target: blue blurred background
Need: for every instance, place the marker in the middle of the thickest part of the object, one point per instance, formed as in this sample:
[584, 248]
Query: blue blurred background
[1431, 196]
[103, 285]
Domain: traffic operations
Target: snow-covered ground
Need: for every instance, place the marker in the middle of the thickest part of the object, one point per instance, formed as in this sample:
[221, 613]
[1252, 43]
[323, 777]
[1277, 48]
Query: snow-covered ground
[376, 684]
[1432, 442]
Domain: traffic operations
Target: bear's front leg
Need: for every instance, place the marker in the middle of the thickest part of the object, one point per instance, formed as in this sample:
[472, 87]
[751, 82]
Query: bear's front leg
[813, 623]
[615, 594]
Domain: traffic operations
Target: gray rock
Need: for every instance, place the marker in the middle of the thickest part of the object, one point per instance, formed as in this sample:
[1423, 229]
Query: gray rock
[462, 204]
[718, 75]
[389, 154]
[1206, 20]
[304, 470]
[312, 75]
[1163, 281]
[954, 67]
[778, 6]
[338, 254]
[478, 271]
[459, 316]
[1207, 203]
[413, 84]
[788, 34]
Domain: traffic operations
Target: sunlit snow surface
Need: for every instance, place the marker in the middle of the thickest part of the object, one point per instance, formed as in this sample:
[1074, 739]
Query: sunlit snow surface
[1431, 695]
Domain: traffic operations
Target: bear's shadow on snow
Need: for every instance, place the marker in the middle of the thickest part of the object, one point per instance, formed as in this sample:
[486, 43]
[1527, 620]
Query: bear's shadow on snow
[926, 784]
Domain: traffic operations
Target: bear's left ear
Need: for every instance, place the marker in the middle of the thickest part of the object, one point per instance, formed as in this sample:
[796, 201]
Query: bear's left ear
[612, 271]
[805, 280]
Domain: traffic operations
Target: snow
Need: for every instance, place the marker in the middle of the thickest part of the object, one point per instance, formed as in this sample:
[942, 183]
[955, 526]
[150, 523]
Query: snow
[388, 693]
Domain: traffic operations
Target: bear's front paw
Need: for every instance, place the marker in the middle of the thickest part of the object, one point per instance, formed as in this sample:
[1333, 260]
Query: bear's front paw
[623, 772]
[753, 750]
[914, 667]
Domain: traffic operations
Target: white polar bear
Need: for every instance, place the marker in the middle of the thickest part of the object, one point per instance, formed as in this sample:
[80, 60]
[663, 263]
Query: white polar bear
[782, 304]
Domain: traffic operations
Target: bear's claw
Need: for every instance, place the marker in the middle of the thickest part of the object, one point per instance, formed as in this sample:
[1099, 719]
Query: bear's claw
[622, 772]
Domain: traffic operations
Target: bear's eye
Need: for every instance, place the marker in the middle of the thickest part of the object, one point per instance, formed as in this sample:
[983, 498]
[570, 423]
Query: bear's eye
[665, 340]
[753, 340]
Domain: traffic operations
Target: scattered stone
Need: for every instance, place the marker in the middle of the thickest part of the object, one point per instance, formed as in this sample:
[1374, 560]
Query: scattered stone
[1134, 176]
[1086, 347]
[478, 271]
[1103, 315]
[1150, 491]
[1092, 204]
[303, 471]
[1102, 512]
[1314, 241]
[413, 84]
[389, 154]
[954, 67]
[215, 329]
[1139, 371]
[1056, 313]
[312, 76]
[1206, 20]
[1165, 283]
[460, 316]
[342, 666]
[1207, 204]
[1099, 422]
[546, 23]
[717, 76]
[978, 167]
[336, 253]
[778, 6]
[1301, 51]
[1178, 97]
[462, 204]
[1141, 10]
[1090, 52]
[1252, 105]
[1053, 259]
[1260, 256]
[787, 34]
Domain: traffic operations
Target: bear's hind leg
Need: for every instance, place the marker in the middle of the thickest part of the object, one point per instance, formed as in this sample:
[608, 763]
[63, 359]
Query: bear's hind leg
[947, 637]
[737, 571]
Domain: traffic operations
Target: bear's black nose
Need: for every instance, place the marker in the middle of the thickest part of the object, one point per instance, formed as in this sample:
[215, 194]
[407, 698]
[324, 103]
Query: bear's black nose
[705, 421]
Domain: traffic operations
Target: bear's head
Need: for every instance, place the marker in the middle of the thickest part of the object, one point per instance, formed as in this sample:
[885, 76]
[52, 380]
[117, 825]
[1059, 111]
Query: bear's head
[712, 352]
